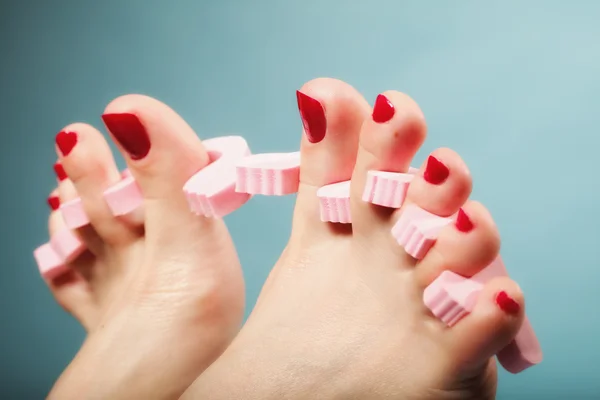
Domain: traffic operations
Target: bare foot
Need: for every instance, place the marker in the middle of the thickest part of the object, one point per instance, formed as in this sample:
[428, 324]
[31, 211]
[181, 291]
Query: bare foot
[161, 296]
[341, 315]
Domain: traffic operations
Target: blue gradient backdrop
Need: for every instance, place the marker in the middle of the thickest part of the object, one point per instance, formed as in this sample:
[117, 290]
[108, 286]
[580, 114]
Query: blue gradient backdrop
[512, 86]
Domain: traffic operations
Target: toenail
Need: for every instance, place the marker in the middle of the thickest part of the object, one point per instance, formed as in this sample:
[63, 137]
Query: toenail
[435, 171]
[66, 141]
[383, 110]
[463, 222]
[507, 304]
[54, 202]
[129, 132]
[60, 171]
[313, 117]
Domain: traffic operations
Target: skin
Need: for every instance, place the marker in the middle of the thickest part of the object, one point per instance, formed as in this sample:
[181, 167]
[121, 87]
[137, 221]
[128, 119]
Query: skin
[341, 314]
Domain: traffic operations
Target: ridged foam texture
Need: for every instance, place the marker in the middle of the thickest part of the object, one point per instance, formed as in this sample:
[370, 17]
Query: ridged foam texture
[270, 174]
[387, 189]
[334, 202]
[211, 191]
[416, 230]
[451, 297]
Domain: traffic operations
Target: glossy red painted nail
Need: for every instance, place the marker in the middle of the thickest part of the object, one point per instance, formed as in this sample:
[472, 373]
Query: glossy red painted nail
[130, 133]
[435, 171]
[463, 222]
[66, 141]
[507, 304]
[384, 109]
[60, 171]
[313, 117]
[54, 202]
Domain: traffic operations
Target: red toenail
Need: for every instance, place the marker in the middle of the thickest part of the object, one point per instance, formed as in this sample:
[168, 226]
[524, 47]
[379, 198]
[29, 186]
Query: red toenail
[60, 171]
[66, 141]
[435, 172]
[129, 132]
[383, 110]
[313, 117]
[54, 202]
[463, 222]
[507, 304]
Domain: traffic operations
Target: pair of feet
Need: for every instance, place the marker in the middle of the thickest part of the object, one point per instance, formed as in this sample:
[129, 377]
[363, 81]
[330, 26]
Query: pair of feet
[341, 314]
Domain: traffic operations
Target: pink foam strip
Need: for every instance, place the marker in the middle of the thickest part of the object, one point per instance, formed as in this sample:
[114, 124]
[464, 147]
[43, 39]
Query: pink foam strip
[73, 214]
[416, 230]
[270, 174]
[451, 297]
[124, 197]
[335, 202]
[66, 245]
[211, 191]
[387, 189]
[49, 263]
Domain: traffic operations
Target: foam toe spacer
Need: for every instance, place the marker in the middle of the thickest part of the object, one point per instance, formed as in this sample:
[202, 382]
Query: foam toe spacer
[387, 189]
[49, 263]
[450, 297]
[270, 174]
[335, 202]
[417, 230]
[52, 258]
[122, 198]
[211, 191]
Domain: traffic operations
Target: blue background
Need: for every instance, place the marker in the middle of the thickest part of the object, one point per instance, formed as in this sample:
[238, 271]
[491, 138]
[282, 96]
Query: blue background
[512, 86]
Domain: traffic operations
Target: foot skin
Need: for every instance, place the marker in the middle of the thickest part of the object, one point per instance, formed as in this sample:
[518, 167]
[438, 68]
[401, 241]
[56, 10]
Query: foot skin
[342, 315]
[160, 292]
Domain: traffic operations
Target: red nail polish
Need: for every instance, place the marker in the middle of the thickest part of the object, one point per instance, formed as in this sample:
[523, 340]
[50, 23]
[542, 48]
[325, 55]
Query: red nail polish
[129, 132]
[384, 109]
[54, 202]
[463, 222]
[313, 117]
[435, 172]
[507, 304]
[66, 141]
[60, 171]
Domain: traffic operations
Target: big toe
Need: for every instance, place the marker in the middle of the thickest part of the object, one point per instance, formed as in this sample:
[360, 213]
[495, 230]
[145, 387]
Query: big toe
[332, 113]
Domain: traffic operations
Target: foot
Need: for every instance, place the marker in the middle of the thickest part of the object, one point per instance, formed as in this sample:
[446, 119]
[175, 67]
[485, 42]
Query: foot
[342, 315]
[160, 293]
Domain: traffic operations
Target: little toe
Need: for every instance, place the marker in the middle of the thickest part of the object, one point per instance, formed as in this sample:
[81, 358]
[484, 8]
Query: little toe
[465, 246]
[491, 327]
[70, 289]
[389, 139]
[332, 113]
[90, 166]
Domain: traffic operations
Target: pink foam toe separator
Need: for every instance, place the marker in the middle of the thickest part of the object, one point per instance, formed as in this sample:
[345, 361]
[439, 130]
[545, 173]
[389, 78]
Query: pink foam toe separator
[334, 202]
[416, 230]
[450, 297]
[66, 245]
[73, 214]
[124, 197]
[49, 263]
[211, 192]
[270, 174]
[387, 189]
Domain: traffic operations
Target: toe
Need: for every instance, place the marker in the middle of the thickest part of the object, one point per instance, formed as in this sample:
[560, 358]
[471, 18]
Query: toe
[89, 164]
[491, 326]
[464, 246]
[70, 288]
[332, 113]
[442, 184]
[389, 139]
